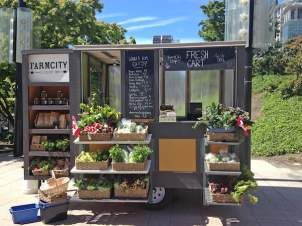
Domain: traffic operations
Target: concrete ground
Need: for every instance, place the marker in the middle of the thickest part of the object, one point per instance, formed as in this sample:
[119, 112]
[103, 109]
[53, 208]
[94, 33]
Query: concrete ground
[280, 203]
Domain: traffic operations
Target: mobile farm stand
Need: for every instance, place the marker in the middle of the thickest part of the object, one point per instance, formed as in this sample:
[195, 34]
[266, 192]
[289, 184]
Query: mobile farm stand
[137, 80]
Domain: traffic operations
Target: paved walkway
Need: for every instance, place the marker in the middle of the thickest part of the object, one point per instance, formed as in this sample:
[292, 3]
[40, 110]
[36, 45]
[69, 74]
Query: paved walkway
[280, 204]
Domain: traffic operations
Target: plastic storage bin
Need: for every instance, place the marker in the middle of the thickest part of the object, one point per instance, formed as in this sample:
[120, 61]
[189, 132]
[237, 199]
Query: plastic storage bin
[52, 212]
[25, 213]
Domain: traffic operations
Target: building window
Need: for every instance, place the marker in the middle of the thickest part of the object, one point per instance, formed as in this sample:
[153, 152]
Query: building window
[300, 13]
[292, 14]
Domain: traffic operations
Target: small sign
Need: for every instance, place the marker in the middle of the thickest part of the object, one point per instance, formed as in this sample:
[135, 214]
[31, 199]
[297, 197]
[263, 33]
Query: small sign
[199, 58]
[48, 68]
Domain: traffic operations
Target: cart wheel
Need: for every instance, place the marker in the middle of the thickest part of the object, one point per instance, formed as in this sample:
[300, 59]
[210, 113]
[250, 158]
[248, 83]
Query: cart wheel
[159, 198]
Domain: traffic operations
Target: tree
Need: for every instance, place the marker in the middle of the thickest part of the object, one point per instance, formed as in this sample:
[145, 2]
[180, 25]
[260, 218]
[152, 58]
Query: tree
[7, 91]
[212, 28]
[293, 56]
[63, 22]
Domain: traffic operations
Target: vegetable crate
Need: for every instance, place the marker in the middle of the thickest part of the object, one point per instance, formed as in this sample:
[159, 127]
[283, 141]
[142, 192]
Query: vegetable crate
[101, 165]
[223, 136]
[222, 198]
[96, 137]
[95, 194]
[223, 166]
[121, 166]
[130, 136]
[61, 173]
[130, 193]
[40, 172]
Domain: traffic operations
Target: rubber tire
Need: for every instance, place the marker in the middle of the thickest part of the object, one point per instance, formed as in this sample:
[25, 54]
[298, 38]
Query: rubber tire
[162, 204]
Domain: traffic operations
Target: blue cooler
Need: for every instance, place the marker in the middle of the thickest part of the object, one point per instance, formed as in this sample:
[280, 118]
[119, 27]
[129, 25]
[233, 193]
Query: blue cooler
[25, 213]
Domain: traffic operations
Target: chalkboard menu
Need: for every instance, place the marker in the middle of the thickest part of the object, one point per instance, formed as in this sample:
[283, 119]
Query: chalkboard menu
[199, 58]
[139, 81]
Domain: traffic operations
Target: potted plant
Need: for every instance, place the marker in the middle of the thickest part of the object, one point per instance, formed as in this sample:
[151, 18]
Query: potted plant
[93, 160]
[131, 187]
[93, 188]
[42, 168]
[225, 123]
[135, 161]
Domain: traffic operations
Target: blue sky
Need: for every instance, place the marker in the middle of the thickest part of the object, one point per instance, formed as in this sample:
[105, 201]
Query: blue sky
[145, 18]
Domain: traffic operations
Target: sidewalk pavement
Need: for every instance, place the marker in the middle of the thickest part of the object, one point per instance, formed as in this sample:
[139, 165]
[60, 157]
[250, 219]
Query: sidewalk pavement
[280, 204]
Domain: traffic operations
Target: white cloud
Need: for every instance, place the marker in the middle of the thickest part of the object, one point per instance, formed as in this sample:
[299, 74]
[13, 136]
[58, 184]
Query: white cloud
[109, 15]
[159, 23]
[137, 19]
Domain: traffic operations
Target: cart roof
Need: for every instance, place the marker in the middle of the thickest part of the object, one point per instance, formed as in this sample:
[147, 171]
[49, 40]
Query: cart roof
[159, 46]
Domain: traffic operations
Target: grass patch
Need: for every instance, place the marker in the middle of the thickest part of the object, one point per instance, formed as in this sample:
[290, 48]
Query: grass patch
[279, 130]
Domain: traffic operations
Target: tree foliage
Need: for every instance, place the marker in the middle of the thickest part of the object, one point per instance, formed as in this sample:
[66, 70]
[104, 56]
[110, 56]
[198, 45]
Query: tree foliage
[293, 56]
[212, 28]
[7, 91]
[63, 22]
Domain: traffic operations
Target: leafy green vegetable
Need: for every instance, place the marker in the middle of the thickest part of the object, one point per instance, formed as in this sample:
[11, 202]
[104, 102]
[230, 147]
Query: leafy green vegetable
[118, 154]
[86, 156]
[93, 183]
[139, 153]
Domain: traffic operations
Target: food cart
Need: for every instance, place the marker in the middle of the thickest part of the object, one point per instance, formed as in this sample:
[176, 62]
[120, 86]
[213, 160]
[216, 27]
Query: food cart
[142, 82]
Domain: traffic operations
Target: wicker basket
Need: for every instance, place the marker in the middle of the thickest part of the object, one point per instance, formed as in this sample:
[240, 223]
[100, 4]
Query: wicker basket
[40, 172]
[130, 136]
[223, 166]
[37, 147]
[121, 166]
[92, 165]
[223, 198]
[98, 194]
[131, 193]
[50, 199]
[53, 186]
[96, 137]
[223, 136]
[61, 173]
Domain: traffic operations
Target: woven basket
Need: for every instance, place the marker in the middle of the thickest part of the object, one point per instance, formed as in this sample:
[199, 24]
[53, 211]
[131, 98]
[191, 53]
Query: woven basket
[130, 136]
[96, 137]
[223, 137]
[37, 147]
[223, 166]
[53, 186]
[98, 194]
[61, 173]
[121, 166]
[40, 172]
[50, 199]
[131, 193]
[92, 165]
[222, 198]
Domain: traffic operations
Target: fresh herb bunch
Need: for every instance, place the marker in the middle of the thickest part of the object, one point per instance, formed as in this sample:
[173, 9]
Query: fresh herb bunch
[132, 182]
[46, 165]
[118, 154]
[61, 145]
[244, 186]
[139, 154]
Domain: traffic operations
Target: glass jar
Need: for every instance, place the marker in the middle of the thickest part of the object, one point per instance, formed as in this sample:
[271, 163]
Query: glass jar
[36, 101]
[43, 94]
[43, 101]
[51, 101]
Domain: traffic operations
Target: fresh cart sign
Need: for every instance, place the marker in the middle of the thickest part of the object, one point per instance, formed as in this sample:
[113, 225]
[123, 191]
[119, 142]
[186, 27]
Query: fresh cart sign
[49, 68]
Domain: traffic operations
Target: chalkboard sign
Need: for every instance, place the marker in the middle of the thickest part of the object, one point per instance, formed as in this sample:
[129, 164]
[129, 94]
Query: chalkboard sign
[139, 81]
[199, 58]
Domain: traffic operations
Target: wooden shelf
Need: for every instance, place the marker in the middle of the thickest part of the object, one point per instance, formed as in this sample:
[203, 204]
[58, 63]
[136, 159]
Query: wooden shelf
[207, 142]
[209, 200]
[50, 131]
[49, 154]
[147, 141]
[77, 199]
[223, 173]
[111, 171]
[31, 177]
[49, 107]
[49, 84]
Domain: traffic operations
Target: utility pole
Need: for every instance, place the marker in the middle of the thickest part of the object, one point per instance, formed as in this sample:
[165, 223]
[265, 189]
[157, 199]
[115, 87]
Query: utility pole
[18, 127]
[249, 72]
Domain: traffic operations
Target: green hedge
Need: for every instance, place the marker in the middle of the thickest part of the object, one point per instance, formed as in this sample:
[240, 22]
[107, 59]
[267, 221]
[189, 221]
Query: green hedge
[279, 130]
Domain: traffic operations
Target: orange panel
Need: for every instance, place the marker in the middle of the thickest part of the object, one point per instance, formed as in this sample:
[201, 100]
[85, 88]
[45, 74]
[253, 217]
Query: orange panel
[177, 155]
[216, 148]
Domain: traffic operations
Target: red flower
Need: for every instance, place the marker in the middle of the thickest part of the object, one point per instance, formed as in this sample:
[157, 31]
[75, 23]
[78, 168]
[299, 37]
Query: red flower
[240, 124]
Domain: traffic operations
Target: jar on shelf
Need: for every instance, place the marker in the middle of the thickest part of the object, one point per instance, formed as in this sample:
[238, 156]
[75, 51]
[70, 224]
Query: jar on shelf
[59, 99]
[43, 94]
[36, 101]
[43, 101]
[50, 101]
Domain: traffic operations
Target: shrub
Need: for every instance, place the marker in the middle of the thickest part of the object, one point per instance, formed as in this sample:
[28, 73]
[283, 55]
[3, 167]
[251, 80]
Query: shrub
[279, 130]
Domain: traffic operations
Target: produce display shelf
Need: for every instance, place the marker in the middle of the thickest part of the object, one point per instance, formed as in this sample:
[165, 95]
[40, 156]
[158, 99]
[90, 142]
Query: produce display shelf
[111, 171]
[49, 154]
[49, 107]
[209, 200]
[147, 141]
[75, 198]
[225, 173]
[49, 84]
[49, 131]
[207, 142]
[32, 177]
